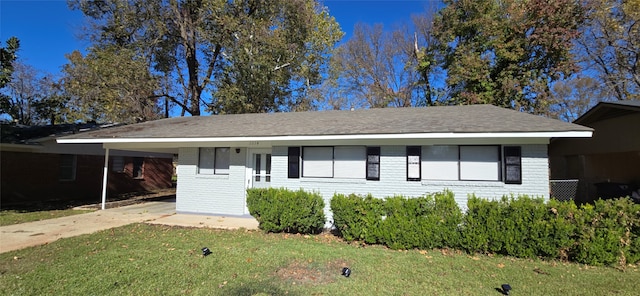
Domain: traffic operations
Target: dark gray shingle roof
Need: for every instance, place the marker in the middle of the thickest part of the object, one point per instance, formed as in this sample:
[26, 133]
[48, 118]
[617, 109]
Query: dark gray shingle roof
[446, 119]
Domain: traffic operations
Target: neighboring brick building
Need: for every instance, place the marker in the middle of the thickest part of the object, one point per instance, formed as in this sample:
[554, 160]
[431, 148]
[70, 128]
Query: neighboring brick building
[35, 168]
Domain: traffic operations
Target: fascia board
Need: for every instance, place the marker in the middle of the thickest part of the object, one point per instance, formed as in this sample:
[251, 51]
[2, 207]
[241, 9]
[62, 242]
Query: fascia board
[541, 135]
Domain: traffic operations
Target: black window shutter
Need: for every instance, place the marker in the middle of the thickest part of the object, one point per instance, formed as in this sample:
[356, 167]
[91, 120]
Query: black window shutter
[512, 165]
[294, 162]
[414, 159]
[373, 163]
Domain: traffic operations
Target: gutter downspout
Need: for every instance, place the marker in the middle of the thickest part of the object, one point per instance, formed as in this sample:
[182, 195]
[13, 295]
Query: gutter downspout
[104, 177]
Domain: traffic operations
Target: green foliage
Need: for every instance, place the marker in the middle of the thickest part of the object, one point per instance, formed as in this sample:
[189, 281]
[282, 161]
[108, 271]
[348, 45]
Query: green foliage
[425, 222]
[429, 221]
[521, 227]
[606, 233]
[283, 210]
[7, 57]
[111, 84]
[251, 56]
[356, 217]
[506, 53]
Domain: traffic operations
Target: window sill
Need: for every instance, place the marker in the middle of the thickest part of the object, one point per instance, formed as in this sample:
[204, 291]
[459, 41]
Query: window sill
[458, 183]
[334, 180]
[220, 177]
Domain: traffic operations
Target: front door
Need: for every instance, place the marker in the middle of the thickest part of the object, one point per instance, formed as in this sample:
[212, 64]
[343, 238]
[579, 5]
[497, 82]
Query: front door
[258, 170]
[260, 162]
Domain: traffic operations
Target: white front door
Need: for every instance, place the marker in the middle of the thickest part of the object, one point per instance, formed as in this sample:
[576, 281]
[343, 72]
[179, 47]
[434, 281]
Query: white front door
[260, 164]
[258, 169]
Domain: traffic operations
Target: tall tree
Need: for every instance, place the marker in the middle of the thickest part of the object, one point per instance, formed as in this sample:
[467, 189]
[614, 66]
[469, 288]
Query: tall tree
[574, 97]
[381, 68]
[32, 97]
[111, 84]
[251, 55]
[610, 46]
[507, 53]
[7, 58]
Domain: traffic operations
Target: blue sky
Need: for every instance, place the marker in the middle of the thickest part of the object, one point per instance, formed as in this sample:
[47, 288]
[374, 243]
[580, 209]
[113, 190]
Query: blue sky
[48, 29]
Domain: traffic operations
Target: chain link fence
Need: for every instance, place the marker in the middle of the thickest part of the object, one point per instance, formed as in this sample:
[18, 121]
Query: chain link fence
[563, 190]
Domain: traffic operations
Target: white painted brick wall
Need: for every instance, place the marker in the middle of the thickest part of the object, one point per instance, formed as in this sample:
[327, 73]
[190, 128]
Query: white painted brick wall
[210, 194]
[226, 194]
[393, 181]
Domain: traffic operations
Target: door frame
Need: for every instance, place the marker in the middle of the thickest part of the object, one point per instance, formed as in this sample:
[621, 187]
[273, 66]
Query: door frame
[248, 180]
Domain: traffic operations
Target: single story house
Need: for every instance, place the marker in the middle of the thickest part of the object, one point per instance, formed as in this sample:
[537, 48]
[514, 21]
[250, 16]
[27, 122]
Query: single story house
[481, 149]
[608, 164]
[35, 168]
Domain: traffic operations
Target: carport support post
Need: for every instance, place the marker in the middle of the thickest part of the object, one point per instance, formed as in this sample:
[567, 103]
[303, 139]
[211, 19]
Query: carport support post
[105, 171]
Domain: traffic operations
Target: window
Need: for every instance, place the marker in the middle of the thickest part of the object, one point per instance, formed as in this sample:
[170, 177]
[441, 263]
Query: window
[67, 167]
[349, 162]
[413, 163]
[373, 163]
[440, 162]
[221, 165]
[480, 163]
[341, 162]
[294, 162]
[513, 165]
[317, 162]
[206, 160]
[118, 164]
[137, 167]
[214, 161]
[468, 163]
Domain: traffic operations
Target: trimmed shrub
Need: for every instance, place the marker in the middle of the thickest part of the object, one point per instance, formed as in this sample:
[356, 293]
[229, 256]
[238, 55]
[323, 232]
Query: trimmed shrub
[522, 227]
[356, 217]
[283, 210]
[608, 233]
[401, 223]
[426, 222]
[605, 233]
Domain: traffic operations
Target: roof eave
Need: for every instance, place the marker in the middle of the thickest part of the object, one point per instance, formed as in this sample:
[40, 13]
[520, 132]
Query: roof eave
[545, 134]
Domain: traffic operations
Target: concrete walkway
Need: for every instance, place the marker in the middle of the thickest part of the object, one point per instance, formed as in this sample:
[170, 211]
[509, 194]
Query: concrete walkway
[18, 236]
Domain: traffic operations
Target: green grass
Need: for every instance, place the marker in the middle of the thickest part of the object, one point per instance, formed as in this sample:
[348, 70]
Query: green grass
[9, 217]
[142, 259]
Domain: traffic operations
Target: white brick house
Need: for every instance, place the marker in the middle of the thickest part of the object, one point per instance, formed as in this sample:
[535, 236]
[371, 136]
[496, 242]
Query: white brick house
[481, 149]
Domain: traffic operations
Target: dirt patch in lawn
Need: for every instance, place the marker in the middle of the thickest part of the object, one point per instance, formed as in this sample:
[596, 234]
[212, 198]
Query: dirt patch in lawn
[311, 272]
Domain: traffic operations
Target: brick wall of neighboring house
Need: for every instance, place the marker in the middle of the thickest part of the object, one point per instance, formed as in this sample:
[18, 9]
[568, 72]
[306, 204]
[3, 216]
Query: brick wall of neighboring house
[29, 177]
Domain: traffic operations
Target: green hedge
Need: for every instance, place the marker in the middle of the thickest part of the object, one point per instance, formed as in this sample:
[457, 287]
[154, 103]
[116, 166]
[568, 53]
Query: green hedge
[283, 210]
[605, 233]
[429, 221]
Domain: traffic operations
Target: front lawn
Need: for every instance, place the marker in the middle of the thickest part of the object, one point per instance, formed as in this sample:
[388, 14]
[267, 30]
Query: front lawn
[142, 259]
[9, 217]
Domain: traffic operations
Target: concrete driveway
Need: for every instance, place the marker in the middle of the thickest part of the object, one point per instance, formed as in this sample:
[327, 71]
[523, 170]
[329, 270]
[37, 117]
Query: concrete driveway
[18, 236]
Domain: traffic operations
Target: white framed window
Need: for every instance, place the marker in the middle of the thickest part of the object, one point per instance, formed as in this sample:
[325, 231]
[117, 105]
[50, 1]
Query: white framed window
[206, 160]
[466, 163]
[440, 162]
[317, 162]
[341, 162]
[67, 167]
[480, 163]
[221, 163]
[214, 160]
[349, 162]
